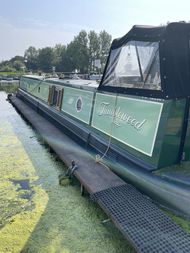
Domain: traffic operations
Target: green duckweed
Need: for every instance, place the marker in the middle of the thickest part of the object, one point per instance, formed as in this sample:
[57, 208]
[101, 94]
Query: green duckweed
[38, 215]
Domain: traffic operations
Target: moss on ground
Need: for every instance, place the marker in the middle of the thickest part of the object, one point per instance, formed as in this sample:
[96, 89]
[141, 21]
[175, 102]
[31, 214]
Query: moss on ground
[182, 222]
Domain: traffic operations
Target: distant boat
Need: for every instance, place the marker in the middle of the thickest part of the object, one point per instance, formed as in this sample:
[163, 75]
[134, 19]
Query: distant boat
[137, 119]
[96, 77]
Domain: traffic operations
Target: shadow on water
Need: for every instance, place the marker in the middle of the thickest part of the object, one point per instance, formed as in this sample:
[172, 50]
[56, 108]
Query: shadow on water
[24, 183]
[69, 223]
[24, 186]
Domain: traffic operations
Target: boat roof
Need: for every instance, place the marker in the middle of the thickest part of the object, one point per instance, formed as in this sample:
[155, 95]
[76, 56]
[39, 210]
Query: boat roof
[36, 77]
[152, 33]
[79, 83]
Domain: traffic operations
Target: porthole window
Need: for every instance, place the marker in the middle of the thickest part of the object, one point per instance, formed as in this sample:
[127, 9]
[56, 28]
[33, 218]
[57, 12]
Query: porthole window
[79, 104]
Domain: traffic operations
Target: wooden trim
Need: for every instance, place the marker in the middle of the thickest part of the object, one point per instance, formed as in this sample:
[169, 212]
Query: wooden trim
[50, 95]
[59, 99]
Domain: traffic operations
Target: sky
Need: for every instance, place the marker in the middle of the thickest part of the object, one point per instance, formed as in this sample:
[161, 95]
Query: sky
[42, 23]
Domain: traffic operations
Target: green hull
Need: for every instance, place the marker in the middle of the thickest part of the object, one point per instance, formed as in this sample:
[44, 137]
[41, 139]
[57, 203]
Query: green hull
[151, 131]
[148, 129]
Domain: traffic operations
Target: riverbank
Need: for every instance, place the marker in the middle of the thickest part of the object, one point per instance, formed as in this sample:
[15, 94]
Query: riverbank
[38, 215]
[9, 87]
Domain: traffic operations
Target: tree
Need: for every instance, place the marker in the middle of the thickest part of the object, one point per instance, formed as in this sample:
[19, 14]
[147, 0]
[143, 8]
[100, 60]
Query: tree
[14, 64]
[45, 59]
[66, 61]
[78, 52]
[4, 65]
[17, 58]
[94, 49]
[19, 65]
[31, 58]
[105, 43]
[58, 52]
[7, 68]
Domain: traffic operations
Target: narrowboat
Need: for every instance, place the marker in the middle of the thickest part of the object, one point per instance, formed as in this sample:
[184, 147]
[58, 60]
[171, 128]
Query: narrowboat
[137, 119]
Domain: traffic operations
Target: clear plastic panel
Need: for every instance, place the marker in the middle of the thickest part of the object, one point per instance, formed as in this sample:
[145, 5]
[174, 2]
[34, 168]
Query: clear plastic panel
[134, 65]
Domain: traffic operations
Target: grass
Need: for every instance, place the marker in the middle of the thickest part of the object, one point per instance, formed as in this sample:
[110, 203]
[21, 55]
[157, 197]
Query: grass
[9, 88]
[182, 222]
[11, 73]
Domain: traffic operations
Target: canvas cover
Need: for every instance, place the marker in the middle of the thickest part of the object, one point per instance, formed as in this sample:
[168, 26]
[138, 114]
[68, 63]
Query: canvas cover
[160, 64]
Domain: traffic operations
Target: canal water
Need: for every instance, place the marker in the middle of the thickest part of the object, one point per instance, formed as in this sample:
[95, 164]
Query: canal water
[38, 215]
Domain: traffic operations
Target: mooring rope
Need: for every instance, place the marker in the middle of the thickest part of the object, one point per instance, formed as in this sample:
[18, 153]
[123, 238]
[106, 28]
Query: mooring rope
[98, 158]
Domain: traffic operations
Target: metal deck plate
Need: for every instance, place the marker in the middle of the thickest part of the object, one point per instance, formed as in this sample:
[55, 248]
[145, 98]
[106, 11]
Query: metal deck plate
[141, 221]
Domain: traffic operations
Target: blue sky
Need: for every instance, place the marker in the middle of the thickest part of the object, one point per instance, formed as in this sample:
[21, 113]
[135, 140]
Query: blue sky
[42, 23]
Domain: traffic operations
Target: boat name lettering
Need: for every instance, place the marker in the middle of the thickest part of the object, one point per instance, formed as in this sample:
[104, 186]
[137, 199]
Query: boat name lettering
[119, 115]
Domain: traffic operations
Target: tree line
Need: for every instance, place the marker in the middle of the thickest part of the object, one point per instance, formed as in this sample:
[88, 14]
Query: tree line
[79, 54]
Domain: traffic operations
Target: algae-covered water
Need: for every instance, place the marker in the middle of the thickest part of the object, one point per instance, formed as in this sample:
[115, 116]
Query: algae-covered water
[37, 215]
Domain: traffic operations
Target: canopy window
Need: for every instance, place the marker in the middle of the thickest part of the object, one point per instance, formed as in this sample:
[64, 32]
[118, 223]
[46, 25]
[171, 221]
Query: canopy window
[150, 62]
[134, 65]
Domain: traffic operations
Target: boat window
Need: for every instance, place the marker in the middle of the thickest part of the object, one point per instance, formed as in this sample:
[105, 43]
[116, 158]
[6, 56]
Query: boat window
[55, 97]
[134, 65]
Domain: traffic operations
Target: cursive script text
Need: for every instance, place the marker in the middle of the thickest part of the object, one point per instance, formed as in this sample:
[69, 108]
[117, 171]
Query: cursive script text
[119, 116]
